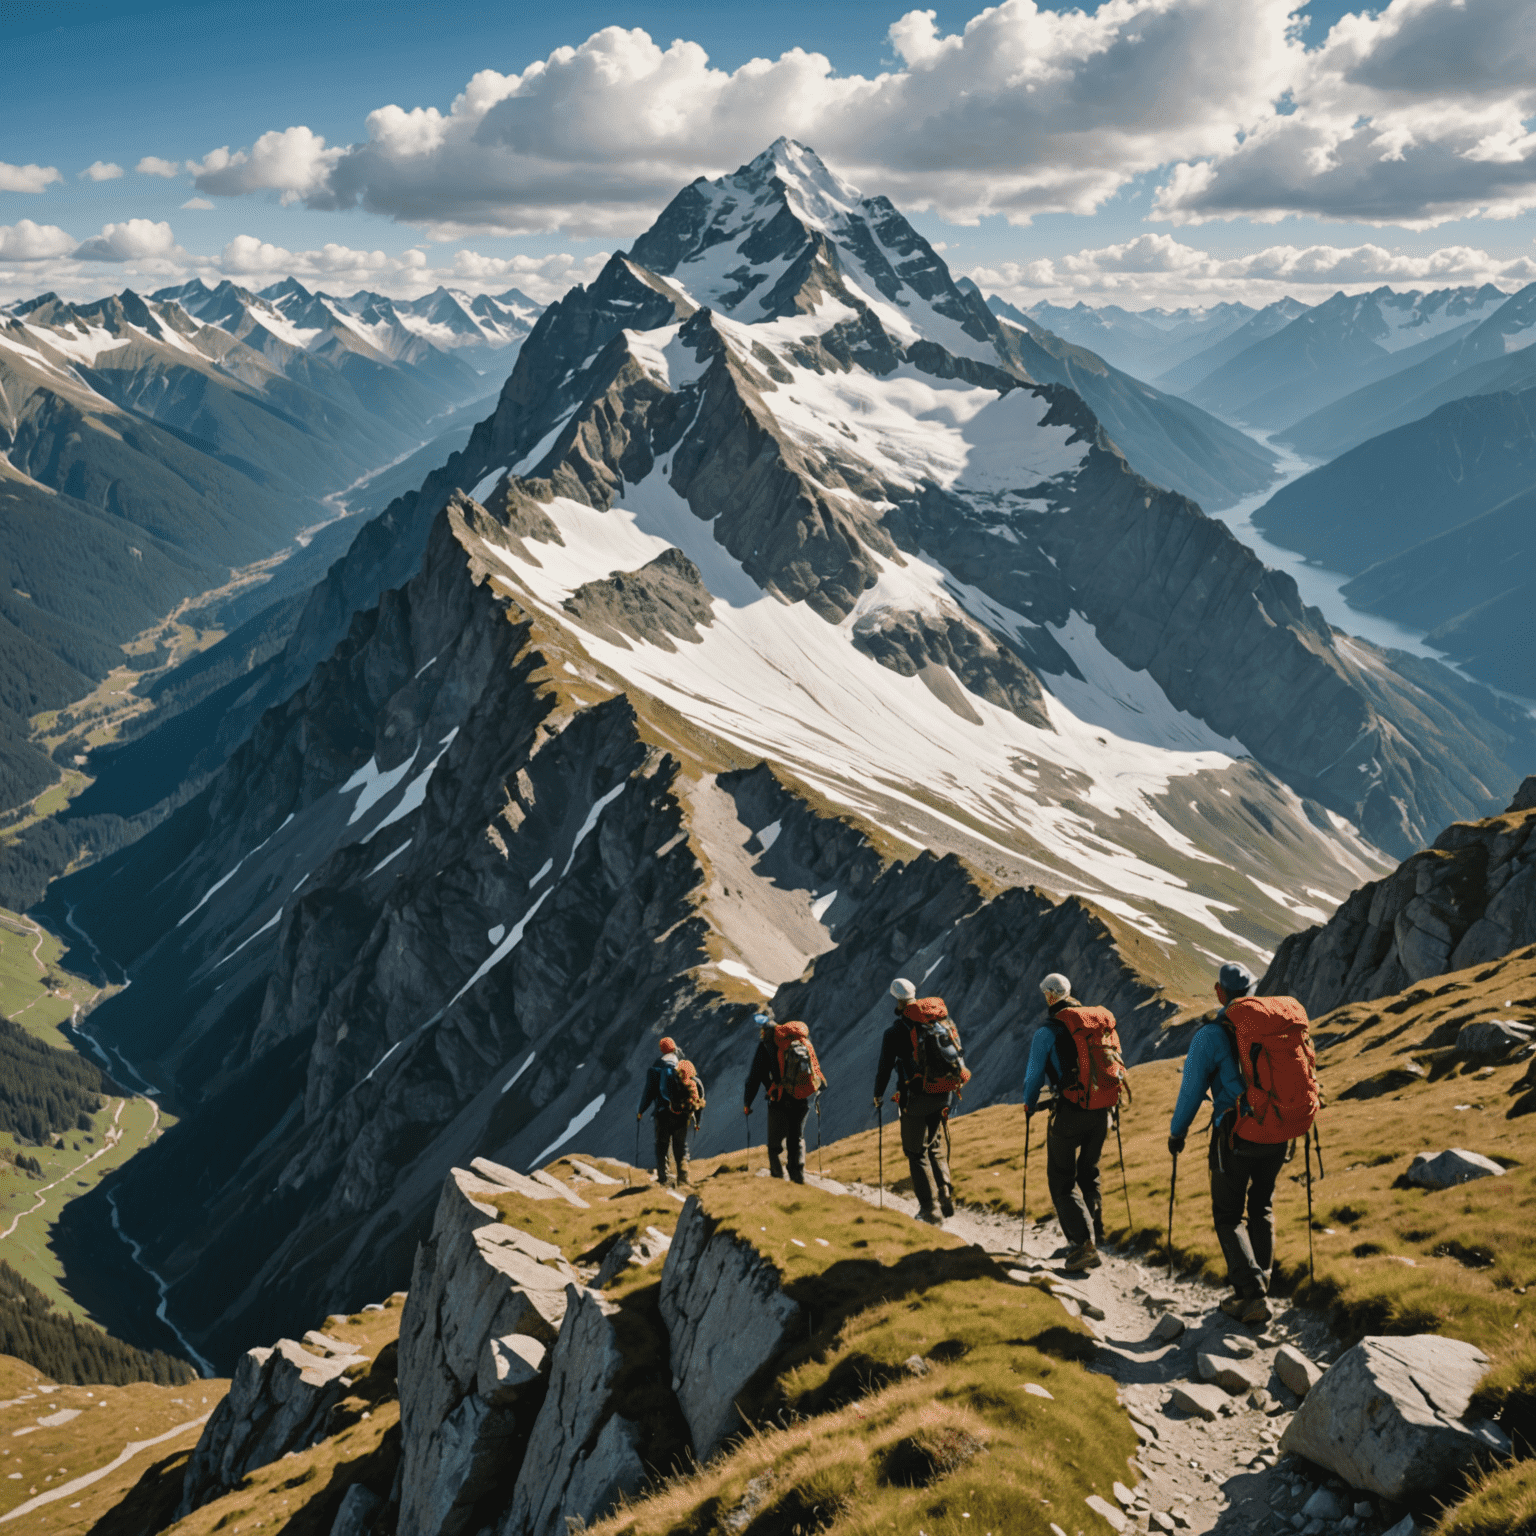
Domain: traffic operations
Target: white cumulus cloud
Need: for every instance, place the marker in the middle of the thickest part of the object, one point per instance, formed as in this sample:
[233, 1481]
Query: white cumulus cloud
[27, 178]
[1025, 111]
[153, 165]
[26, 241]
[132, 240]
[198, 204]
[101, 170]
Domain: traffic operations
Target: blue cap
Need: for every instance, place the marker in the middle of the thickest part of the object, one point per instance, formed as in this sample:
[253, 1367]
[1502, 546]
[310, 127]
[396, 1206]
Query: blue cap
[761, 1019]
[1235, 980]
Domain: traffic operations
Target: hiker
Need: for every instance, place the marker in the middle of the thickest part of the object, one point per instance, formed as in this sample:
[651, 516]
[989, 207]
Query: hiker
[1077, 1050]
[1251, 1124]
[786, 1069]
[674, 1086]
[922, 1047]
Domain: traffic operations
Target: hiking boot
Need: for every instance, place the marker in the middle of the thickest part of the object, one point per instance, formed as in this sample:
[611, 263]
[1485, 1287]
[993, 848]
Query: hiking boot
[947, 1206]
[1256, 1309]
[1234, 1306]
[931, 1216]
[1083, 1256]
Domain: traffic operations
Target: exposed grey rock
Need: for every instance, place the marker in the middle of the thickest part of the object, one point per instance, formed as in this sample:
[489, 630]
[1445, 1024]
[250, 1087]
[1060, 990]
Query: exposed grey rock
[1387, 1416]
[1197, 1398]
[277, 1402]
[1234, 1376]
[358, 1507]
[1325, 1505]
[666, 597]
[560, 1477]
[560, 1187]
[322, 1344]
[640, 1249]
[485, 1301]
[1168, 1327]
[1469, 898]
[1491, 1037]
[595, 1175]
[1235, 1345]
[1295, 1370]
[726, 1317]
[1447, 1169]
[1107, 1512]
[498, 1177]
[1525, 796]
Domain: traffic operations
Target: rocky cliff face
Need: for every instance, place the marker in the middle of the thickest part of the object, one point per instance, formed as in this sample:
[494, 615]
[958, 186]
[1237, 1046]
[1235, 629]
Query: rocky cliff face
[802, 641]
[1468, 898]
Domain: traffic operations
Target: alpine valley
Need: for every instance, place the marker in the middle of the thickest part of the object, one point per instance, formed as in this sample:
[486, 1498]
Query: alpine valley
[792, 619]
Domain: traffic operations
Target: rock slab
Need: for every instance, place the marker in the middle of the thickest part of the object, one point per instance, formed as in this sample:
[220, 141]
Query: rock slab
[582, 1455]
[1452, 1167]
[1234, 1376]
[1491, 1037]
[277, 1402]
[1295, 1370]
[1200, 1399]
[726, 1316]
[1388, 1415]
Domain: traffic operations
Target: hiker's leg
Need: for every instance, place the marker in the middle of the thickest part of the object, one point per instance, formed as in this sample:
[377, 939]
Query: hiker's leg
[914, 1143]
[680, 1147]
[663, 1144]
[1263, 1171]
[944, 1186]
[1090, 1150]
[795, 1111]
[1229, 1189]
[1061, 1178]
[776, 1133]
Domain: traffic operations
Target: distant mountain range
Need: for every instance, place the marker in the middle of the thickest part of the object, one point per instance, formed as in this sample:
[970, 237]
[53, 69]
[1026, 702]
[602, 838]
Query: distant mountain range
[149, 445]
[1436, 522]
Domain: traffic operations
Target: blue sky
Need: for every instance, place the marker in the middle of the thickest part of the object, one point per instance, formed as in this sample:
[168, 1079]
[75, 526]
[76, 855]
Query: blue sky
[1148, 151]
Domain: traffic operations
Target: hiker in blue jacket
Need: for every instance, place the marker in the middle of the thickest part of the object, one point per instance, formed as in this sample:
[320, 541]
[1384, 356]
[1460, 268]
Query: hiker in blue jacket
[671, 1123]
[1242, 1174]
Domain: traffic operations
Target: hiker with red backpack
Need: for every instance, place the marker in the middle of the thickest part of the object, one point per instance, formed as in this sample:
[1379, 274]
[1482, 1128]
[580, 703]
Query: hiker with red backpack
[786, 1069]
[1258, 1113]
[674, 1086]
[1076, 1049]
[922, 1047]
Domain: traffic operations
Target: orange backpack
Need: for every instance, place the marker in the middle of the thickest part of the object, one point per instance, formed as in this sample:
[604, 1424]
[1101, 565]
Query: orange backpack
[800, 1075]
[1279, 1067]
[682, 1087]
[938, 1066]
[1101, 1071]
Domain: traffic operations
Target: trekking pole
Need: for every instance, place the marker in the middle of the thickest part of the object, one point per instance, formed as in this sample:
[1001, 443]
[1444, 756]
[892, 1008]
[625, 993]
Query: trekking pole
[880, 1144]
[637, 1143]
[1124, 1183]
[1024, 1193]
[1311, 1265]
[821, 1172]
[1173, 1184]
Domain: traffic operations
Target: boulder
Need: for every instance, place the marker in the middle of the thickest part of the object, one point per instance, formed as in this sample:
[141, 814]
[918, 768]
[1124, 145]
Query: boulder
[1325, 1505]
[1296, 1371]
[485, 1303]
[277, 1402]
[560, 1479]
[1168, 1327]
[358, 1507]
[1453, 1166]
[641, 1248]
[1234, 1376]
[1196, 1398]
[726, 1317]
[1491, 1037]
[1388, 1415]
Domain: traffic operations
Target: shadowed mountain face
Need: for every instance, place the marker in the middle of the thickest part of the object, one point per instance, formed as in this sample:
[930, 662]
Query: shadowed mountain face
[149, 445]
[778, 630]
[1434, 521]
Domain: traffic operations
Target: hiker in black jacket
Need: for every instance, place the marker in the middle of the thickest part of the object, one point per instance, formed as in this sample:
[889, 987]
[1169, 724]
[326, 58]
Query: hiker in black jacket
[922, 1114]
[671, 1125]
[786, 1116]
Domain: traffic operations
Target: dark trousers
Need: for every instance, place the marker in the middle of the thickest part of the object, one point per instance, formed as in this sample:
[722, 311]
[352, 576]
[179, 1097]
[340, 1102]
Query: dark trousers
[1245, 1175]
[922, 1139]
[671, 1138]
[786, 1134]
[1074, 1142]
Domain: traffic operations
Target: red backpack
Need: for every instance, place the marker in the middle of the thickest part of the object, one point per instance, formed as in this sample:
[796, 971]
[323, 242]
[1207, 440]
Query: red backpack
[1279, 1067]
[1101, 1070]
[938, 1066]
[800, 1074]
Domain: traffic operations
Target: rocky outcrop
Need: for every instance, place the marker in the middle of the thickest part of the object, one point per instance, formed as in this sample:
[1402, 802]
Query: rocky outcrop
[663, 600]
[726, 1317]
[1445, 1170]
[582, 1454]
[486, 1301]
[278, 1401]
[1388, 1415]
[1469, 898]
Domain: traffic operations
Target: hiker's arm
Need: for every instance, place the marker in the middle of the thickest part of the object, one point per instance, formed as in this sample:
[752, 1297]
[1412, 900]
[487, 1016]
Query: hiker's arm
[648, 1096]
[887, 1064]
[756, 1078]
[1034, 1072]
[1199, 1067]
